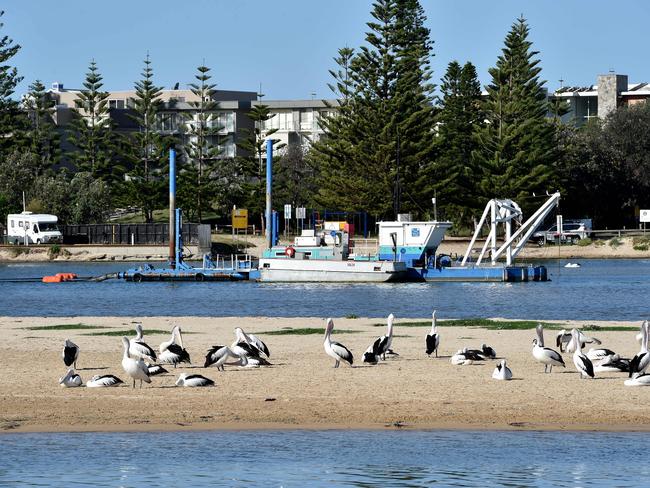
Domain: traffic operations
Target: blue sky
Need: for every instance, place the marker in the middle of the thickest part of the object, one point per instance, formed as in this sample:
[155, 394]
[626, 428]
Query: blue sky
[288, 45]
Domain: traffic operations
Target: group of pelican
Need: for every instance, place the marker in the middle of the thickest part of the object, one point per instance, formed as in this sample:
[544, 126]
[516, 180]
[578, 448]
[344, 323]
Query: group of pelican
[140, 362]
[597, 360]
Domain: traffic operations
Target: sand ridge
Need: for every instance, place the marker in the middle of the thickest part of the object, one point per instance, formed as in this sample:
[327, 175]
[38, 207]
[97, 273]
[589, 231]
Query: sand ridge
[302, 389]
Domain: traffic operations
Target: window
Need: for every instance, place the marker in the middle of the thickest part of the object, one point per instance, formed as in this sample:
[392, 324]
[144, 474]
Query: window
[11, 223]
[167, 122]
[116, 104]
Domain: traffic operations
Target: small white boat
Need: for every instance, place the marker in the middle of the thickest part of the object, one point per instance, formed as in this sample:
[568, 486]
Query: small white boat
[572, 265]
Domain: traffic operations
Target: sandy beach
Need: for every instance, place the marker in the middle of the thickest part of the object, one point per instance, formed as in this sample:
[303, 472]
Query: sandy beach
[302, 389]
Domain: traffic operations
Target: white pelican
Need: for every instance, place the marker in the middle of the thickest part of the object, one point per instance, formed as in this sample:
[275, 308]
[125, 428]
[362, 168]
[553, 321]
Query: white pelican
[474, 354]
[583, 339]
[638, 380]
[71, 379]
[369, 355]
[562, 339]
[600, 353]
[461, 358]
[381, 346]
[105, 380]
[545, 355]
[138, 349]
[488, 352]
[583, 364]
[433, 338]
[172, 352]
[70, 353]
[252, 346]
[135, 368]
[641, 361]
[217, 356]
[639, 336]
[338, 351]
[155, 369]
[193, 380]
[502, 372]
[612, 364]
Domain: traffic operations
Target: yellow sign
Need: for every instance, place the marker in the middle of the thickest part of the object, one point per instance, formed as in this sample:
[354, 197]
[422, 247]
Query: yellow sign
[239, 218]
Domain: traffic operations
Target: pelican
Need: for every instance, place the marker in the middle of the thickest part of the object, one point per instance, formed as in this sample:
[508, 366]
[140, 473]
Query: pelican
[488, 352]
[612, 364]
[217, 356]
[193, 380]
[545, 355]
[583, 363]
[502, 372]
[338, 351]
[641, 361]
[172, 352]
[381, 346]
[599, 353]
[638, 380]
[138, 349]
[155, 369]
[572, 346]
[105, 380]
[461, 358]
[256, 346]
[71, 379]
[562, 339]
[639, 336]
[70, 353]
[369, 355]
[135, 368]
[433, 338]
[244, 348]
[474, 354]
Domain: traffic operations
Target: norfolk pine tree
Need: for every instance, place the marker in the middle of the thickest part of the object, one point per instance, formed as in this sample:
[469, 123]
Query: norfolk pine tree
[44, 140]
[146, 147]
[516, 150]
[91, 131]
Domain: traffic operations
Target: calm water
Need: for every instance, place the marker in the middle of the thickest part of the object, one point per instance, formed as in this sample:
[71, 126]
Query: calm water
[600, 289]
[324, 458]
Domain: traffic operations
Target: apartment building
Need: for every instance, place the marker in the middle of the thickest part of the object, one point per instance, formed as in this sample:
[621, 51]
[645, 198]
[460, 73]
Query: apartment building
[611, 92]
[173, 118]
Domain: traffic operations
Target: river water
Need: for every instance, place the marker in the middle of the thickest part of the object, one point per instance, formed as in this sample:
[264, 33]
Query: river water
[324, 458]
[598, 290]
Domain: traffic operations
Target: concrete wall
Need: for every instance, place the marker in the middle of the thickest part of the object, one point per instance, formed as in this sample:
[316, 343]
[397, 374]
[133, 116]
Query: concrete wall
[610, 86]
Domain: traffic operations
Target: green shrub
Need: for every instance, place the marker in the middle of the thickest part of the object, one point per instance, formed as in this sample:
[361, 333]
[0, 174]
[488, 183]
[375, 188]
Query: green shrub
[599, 243]
[641, 247]
[54, 251]
[615, 242]
[584, 242]
[640, 241]
[19, 250]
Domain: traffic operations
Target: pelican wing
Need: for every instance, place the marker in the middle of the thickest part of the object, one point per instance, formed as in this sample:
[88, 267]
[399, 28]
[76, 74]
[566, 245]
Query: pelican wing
[156, 369]
[103, 381]
[342, 352]
[197, 380]
[141, 349]
[70, 354]
[584, 364]
[554, 355]
[259, 344]
[431, 343]
[214, 354]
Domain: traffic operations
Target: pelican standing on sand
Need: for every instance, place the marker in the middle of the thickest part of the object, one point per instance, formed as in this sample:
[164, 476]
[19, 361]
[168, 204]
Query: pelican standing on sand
[248, 349]
[579, 342]
[138, 349]
[70, 353]
[583, 363]
[641, 361]
[433, 338]
[502, 372]
[172, 352]
[338, 351]
[545, 355]
[71, 379]
[217, 356]
[253, 341]
[135, 368]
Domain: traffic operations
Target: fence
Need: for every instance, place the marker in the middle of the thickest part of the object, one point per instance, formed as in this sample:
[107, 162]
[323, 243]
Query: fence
[134, 234]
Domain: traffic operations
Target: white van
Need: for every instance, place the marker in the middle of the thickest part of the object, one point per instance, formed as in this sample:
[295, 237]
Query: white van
[34, 228]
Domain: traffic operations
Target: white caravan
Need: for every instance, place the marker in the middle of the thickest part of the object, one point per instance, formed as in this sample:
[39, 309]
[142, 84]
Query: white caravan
[31, 228]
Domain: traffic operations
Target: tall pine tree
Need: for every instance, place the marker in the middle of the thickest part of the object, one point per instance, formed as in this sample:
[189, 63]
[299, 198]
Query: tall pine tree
[381, 139]
[460, 115]
[202, 148]
[146, 147]
[91, 130]
[516, 150]
[44, 140]
[12, 119]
